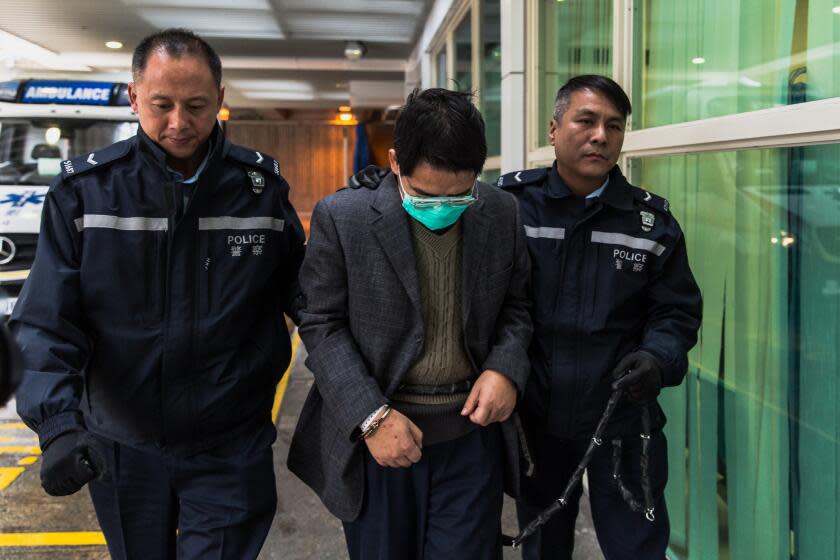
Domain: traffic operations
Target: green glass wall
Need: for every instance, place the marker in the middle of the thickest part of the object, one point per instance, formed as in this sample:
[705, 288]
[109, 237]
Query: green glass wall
[754, 457]
[491, 75]
[440, 68]
[695, 59]
[575, 37]
[463, 55]
[490, 176]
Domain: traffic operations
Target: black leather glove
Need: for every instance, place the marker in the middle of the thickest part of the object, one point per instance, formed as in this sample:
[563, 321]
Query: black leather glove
[640, 375]
[369, 177]
[69, 462]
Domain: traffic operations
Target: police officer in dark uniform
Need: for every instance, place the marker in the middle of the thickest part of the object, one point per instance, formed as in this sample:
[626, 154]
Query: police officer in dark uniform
[615, 306]
[152, 322]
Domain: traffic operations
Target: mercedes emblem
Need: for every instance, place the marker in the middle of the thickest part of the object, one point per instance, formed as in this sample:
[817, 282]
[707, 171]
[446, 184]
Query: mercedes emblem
[7, 250]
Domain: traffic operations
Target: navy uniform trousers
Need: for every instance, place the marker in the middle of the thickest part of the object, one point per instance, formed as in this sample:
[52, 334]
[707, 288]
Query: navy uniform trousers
[447, 505]
[622, 533]
[221, 501]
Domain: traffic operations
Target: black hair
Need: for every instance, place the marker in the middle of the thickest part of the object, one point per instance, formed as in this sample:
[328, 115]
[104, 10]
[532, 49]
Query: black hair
[441, 128]
[595, 83]
[175, 43]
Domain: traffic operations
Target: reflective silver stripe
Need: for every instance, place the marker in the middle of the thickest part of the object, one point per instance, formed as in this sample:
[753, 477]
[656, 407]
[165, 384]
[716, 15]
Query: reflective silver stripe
[545, 232]
[628, 241]
[116, 222]
[229, 222]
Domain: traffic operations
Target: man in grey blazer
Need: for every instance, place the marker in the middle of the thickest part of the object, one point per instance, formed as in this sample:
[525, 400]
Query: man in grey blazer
[417, 326]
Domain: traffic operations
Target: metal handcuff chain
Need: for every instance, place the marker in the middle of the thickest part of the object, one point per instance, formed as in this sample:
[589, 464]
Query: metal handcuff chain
[595, 442]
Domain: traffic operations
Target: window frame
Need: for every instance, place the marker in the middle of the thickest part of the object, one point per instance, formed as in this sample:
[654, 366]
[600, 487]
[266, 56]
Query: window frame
[812, 122]
[445, 39]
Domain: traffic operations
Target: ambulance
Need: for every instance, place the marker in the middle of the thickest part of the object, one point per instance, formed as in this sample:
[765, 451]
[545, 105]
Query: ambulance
[42, 123]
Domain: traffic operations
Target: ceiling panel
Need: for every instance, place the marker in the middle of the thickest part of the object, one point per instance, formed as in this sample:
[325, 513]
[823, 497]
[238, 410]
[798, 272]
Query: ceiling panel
[201, 4]
[271, 40]
[353, 26]
[412, 8]
[72, 25]
[216, 23]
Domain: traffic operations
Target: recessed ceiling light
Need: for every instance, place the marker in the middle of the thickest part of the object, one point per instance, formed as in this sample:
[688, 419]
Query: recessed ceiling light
[835, 10]
[354, 50]
[698, 60]
[114, 45]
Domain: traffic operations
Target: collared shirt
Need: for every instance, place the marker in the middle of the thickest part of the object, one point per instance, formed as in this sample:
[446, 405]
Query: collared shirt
[597, 193]
[179, 178]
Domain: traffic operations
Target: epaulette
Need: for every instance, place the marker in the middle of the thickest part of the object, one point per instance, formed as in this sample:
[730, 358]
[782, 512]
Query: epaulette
[521, 178]
[95, 160]
[253, 158]
[651, 200]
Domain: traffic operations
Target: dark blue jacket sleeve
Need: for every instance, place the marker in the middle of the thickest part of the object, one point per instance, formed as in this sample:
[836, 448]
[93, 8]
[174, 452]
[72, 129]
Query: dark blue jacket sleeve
[675, 312]
[294, 300]
[49, 326]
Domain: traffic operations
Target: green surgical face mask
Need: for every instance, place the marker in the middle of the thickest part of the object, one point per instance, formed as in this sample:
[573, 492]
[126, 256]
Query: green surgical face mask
[435, 212]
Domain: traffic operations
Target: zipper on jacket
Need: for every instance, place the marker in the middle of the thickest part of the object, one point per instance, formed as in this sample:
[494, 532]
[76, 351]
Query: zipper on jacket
[168, 186]
[581, 271]
[573, 231]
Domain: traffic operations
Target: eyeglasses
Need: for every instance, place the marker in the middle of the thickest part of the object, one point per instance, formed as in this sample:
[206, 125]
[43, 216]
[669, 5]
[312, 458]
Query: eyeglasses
[435, 201]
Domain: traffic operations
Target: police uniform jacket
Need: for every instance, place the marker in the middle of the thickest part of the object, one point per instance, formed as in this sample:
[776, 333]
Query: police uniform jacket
[610, 275]
[154, 329]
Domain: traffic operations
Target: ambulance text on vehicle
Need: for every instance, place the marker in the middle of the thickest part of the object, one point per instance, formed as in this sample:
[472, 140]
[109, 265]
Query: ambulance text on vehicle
[42, 124]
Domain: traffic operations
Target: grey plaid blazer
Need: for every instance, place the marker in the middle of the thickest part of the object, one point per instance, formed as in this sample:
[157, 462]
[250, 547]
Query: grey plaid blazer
[363, 327]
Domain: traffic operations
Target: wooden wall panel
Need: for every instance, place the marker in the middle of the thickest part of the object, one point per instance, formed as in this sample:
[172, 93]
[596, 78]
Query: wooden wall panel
[380, 140]
[311, 156]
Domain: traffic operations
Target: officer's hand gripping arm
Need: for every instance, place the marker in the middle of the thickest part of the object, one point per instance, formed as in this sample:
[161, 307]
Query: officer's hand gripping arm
[370, 177]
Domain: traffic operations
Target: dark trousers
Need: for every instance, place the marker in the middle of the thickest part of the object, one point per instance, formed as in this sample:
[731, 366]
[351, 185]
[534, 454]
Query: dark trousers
[448, 505]
[221, 501]
[622, 533]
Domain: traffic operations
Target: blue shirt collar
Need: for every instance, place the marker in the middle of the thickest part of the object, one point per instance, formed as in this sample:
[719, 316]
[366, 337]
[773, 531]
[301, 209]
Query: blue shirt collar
[180, 178]
[597, 193]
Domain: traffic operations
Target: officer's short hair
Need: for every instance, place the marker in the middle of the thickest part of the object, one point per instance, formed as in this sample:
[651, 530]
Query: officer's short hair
[176, 43]
[441, 128]
[595, 83]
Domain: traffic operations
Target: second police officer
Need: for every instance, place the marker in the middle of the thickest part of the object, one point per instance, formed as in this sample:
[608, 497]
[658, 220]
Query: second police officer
[615, 306]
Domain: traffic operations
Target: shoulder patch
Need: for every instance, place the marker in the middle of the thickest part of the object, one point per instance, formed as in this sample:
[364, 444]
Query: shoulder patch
[95, 160]
[651, 200]
[253, 158]
[521, 178]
